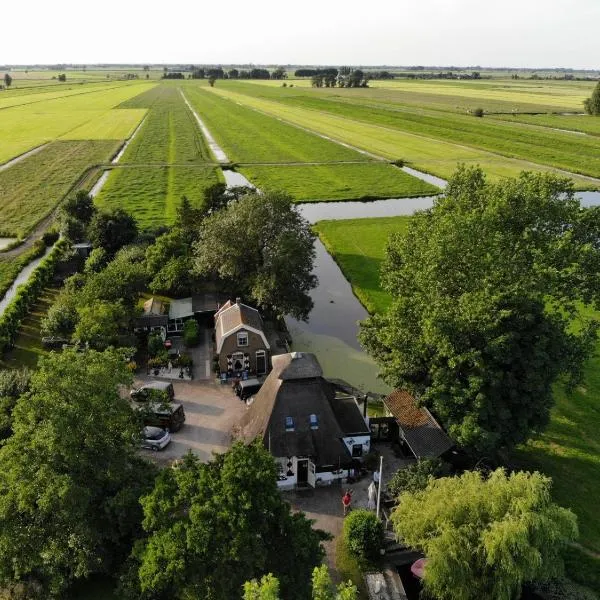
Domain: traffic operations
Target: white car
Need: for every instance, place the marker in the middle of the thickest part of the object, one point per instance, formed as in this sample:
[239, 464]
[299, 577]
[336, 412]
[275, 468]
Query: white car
[155, 438]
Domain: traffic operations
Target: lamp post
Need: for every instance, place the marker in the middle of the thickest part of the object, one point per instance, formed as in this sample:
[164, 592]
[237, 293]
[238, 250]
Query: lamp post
[379, 484]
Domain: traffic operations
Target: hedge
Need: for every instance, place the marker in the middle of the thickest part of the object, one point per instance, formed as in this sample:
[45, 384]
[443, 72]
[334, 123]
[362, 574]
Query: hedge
[27, 295]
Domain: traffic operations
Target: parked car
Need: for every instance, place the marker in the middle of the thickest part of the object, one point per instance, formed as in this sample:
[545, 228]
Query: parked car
[246, 388]
[54, 343]
[155, 390]
[155, 438]
[159, 414]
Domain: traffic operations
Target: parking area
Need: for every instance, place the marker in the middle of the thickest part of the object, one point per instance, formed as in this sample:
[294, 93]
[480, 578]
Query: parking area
[211, 412]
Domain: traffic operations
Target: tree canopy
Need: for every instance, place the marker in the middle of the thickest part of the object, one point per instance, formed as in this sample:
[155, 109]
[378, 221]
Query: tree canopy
[212, 527]
[112, 229]
[71, 478]
[495, 535]
[484, 319]
[261, 248]
[592, 104]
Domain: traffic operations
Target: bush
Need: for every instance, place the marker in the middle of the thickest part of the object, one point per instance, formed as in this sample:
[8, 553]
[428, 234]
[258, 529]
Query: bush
[50, 237]
[363, 534]
[155, 345]
[399, 162]
[477, 112]
[191, 333]
[415, 477]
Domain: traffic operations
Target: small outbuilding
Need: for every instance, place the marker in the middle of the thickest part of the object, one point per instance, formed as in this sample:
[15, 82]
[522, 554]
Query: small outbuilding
[241, 343]
[416, 427]
[315, 434]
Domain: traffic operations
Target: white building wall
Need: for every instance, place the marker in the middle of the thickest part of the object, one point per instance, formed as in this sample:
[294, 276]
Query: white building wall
[364, 440]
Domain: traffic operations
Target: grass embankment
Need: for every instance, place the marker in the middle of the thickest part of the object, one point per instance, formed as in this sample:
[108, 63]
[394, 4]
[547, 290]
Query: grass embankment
[569, 449]
[32, 188]
[366, 181]
[577, 123]
[11, 266]
[165, 161]
[25, 127]
[358, 246]
[432, 146]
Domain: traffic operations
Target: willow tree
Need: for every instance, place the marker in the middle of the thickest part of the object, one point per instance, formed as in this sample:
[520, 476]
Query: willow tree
[484, 320]
[495, 535]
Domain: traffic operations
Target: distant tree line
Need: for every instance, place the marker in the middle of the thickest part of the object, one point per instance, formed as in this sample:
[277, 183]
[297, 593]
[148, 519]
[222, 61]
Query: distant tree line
[219, 73]
[175, 75]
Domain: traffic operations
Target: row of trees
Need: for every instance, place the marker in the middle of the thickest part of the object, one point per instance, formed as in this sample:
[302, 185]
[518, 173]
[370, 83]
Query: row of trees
[219, 73]
[345, 78]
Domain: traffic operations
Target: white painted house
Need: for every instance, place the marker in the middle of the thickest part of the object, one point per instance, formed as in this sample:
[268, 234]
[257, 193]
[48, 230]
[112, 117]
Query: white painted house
[315, 434]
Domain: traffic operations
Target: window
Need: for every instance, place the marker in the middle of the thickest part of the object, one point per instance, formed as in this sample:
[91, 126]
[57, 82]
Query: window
[261, 362]
[242, 338]
[357, 450]
[289, 423]
[314, 422]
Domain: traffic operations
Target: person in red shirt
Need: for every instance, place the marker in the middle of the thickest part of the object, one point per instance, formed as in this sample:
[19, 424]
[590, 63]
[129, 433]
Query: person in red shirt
[346, 501]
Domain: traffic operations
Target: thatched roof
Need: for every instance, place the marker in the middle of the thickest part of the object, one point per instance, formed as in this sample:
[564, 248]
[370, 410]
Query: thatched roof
[296, 388]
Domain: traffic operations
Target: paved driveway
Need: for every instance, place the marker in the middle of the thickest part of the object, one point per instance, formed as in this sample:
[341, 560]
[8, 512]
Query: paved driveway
[211, 412]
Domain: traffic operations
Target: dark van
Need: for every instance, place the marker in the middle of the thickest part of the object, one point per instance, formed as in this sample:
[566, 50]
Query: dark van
[246, 388]
[154, 390]
[167, 416]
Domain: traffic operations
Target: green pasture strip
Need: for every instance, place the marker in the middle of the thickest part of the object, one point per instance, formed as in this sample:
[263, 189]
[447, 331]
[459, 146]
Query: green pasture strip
[557, 149]
[148, 98]
[153, 194]
[169, 135]
[435, 156]
[360, 181]
[11, 266]
[32, 188]
[454, 97]
[25, 127]
[358, 246]
[581, 123]
[112, 125]
[247, 136]
[578, 154]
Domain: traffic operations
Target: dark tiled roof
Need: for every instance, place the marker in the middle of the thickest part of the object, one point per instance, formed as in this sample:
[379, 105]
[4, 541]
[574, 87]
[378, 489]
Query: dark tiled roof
[294, 388]
[151, 321]
[348, 415]
[230, 317]
[421, 431]
[208, 302]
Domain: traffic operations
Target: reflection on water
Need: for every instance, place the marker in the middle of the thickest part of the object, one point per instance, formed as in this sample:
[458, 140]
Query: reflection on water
[589, 198]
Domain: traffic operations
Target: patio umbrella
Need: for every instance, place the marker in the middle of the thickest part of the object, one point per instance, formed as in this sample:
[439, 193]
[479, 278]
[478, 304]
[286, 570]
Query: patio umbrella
[418, 568]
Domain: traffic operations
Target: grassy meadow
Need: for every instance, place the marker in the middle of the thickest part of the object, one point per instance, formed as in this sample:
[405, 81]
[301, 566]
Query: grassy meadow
[27, 126]
[33, 187]
[432, 141]
[360, 181]
[11, 266]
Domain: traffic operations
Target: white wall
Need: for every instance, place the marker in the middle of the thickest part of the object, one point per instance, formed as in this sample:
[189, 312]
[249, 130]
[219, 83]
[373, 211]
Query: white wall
[365, 440]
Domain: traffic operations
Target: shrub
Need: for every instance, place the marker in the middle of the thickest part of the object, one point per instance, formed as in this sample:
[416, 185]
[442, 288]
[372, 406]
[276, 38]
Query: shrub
[399, 162]
[414, 478]
[191, 333]
[50, 237]
[155, 344]
[363, 534]
[477, 112]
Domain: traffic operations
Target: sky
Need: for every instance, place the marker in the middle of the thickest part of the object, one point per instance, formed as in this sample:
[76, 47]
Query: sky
[517, 33]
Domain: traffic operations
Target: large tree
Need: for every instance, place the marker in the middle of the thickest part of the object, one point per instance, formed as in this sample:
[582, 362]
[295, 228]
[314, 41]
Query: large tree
[112, 229]
[486, 287]
[592, 104]
[211, 527]
[492, 537]
[71, 478]
[262, 248]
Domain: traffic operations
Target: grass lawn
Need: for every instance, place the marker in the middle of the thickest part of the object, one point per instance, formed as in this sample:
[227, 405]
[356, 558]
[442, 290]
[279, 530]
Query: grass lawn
[358, 246]
[32, 188]
[28, 345]
[152, 194]
[363, 181]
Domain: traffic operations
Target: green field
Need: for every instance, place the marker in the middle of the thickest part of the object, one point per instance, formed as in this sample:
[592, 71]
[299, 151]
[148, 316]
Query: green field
[32, 188]
[152, 194]
[430, 142]
[576, 123]
[11, 266]
[25, 127]
[363, 181]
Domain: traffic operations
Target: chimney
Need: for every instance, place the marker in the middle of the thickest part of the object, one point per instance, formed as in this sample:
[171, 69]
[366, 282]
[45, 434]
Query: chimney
[238, 300]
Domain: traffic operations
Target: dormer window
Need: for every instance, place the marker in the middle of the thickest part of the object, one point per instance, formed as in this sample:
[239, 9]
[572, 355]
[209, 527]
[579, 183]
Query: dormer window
[289, 423]
[242, 338]
[314, 422]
